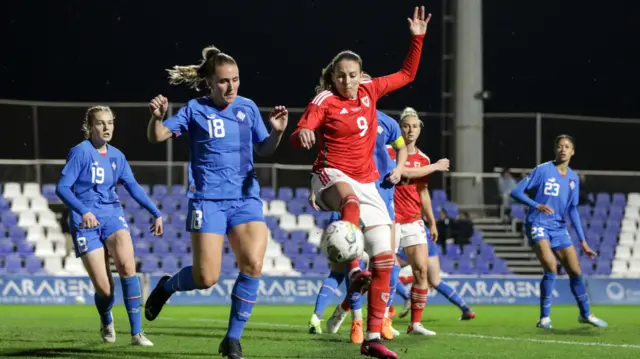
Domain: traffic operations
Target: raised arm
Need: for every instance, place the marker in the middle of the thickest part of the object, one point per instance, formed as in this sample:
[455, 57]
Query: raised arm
[418, 26]
[156, 131]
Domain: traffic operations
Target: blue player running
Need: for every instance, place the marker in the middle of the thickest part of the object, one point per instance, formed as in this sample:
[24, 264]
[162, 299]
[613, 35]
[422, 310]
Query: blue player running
[554, 189]
[388, 133]
[88, 187]
[224, 194]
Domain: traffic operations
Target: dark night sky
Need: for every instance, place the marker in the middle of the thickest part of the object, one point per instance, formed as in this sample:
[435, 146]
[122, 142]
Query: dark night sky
[573, 57]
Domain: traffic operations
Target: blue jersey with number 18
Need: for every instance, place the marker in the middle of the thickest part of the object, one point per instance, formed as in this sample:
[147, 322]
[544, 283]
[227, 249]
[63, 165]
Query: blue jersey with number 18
[221, 147]
[546, 185]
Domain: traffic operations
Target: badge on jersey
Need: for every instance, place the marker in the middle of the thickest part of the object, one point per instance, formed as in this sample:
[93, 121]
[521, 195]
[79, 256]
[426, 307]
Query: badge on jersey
[572, 184]
[365, 100]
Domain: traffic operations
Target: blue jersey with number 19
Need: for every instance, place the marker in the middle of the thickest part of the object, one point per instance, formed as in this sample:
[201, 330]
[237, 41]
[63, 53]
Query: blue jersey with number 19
[221, 147]
[546, 185]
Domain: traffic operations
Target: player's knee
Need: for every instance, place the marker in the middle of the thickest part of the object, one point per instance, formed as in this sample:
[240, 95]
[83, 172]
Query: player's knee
[205, 280]
[126, 268]
[252, 268]
[420, 272]
[103, 288]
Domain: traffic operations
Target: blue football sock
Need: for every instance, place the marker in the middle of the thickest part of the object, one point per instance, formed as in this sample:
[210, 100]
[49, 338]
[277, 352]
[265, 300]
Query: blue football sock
[401, 290]
[580, 293]
[393, 282]
[546, 293]
[453, 296]
[181, 281]
[243, 298]
[132, 294]
[104, 305]
[327, 292]
[354, 299]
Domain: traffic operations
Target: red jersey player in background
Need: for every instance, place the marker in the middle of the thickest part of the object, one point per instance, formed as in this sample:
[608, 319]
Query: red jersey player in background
[412, 200]
[343, 114]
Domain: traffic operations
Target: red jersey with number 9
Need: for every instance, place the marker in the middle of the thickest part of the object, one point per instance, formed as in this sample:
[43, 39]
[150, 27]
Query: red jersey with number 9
[346, 129]
[406, 198]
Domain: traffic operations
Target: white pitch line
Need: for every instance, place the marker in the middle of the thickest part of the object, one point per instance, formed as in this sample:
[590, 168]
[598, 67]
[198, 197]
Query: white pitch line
[463, 335]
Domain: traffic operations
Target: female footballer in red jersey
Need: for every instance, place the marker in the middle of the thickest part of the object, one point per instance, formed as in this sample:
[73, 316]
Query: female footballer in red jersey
[344, 173]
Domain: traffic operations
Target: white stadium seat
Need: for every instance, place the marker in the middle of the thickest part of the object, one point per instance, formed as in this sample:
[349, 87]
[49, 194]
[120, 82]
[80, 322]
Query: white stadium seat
[306, 222]
[277, 208]
[288, 222]
[315, 235]
[19, 205]
[27, 219]
[623, 252]
[35, 234]
[48, 220]
[31, 190]
[11, 190]
[53, 265]
[73, 265]
[40, 204]
[634, 199]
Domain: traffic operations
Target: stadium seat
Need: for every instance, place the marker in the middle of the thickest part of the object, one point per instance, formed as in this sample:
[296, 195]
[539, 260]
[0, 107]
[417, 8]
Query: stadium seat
[277, 208]
[13, 264]
[53, 265]
[302, 193]
[35, 234]
[24, 248]
[6, 247]
[48, 220]
[31, 190]
[33, 265]
[288, 222]
[49, 192]
[633, 198]
[285, 194]
[315, 235]
[11, 190]
[20, 205]
[73, 265]
[306, 222]
[267, 194]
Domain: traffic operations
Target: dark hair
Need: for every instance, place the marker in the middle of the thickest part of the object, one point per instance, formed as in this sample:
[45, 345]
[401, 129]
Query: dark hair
[326, 80]
[560, 137]
[195, 75]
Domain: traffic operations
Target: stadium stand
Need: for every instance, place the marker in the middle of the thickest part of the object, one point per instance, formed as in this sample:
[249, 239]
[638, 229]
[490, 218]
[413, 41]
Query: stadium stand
[34, 243]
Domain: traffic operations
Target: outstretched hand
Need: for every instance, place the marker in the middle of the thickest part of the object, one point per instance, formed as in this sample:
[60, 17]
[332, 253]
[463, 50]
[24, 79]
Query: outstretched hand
[418, 25]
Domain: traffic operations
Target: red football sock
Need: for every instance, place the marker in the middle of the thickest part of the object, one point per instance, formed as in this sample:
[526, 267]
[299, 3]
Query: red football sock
[381, 266]
[350, 209]
[418, 300]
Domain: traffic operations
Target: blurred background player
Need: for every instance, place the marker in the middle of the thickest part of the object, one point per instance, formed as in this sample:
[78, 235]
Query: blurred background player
[88, 187]
[344, 172]
[552, 191]
[388, 133]
[224, 194]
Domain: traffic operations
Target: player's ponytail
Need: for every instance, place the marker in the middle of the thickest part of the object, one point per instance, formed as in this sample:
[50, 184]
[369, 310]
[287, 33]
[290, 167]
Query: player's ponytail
[326, 79]
[410, 112]
[195, 75]
[90, 115]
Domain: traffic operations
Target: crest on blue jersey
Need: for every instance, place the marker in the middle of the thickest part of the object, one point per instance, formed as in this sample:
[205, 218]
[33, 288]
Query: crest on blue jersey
[241, 115]
[113, 165]
[572, 184]
[380, 130]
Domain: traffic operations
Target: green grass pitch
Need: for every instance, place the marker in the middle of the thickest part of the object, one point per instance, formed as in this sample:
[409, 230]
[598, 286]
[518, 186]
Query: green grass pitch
[281, 332]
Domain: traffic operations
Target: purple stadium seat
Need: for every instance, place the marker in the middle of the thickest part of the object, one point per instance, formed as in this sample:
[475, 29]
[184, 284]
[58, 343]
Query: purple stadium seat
[271, 221]
[447, 266]
[482, 266]
[169, 264]
[49, 192]
[291, 250]
[169, 205]
[452, 209]
[301, 265]
[179, 248]
[160, 247]
[142, 219]
[500, 267]
[453, 250]
[322, 219]
[131, 206]
[613, 226]
[4, 204]
[33, 265]
[320, 265]
[184, 205]
[616, 213]
[302, 193]
[279, 235]
[6, 247]
[600, 213]
[476, 238]
[487, 251]
[295, 207]
[13, 264]
[465, 267]
[584, 210]
[17, 234]
[596, 225]
[518, 211]
[24, 248]
[439, 195]
[149, 264]
[141, 248]
[609, 239]
[9, 219]
[603, 198]
[309, 249]
[186, 260]
[606, 252]
[178, 190]
[285, 194]
[267, 194]
[136, 232]
[298, 236]
[159, 190]
[619, 199]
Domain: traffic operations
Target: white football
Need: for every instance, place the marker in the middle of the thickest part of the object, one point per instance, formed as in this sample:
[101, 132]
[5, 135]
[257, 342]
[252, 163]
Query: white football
[342, 242]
